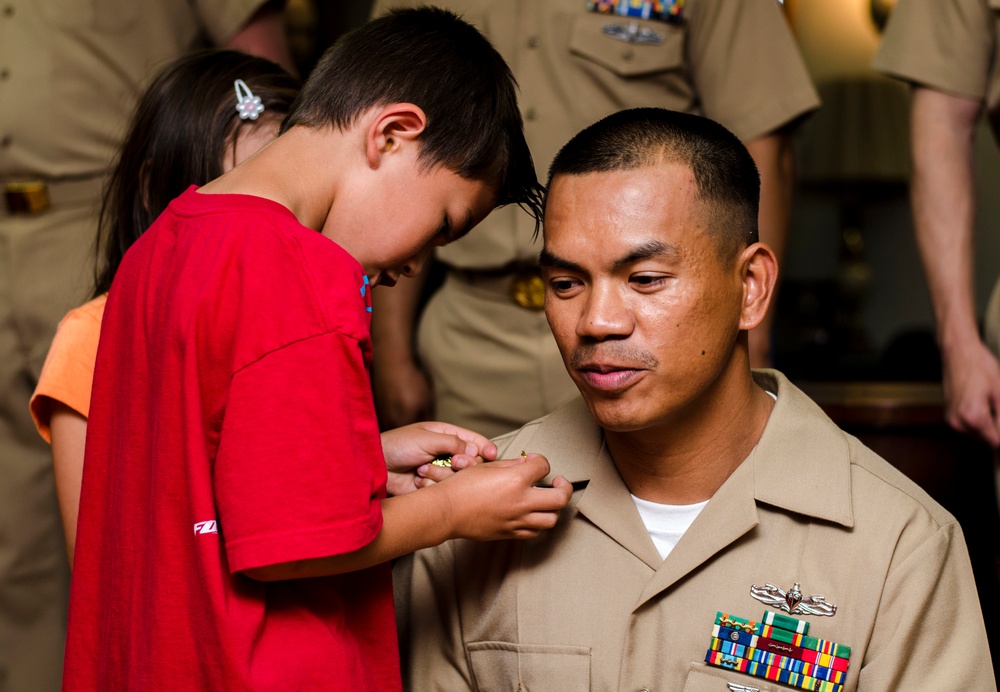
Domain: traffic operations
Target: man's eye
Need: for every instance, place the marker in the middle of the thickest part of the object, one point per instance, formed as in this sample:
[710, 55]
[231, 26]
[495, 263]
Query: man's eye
[562, 284]
[647, 280]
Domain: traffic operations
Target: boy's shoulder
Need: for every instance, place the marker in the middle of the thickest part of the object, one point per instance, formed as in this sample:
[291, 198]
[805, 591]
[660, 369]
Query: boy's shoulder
[269, 234]
[254, 259]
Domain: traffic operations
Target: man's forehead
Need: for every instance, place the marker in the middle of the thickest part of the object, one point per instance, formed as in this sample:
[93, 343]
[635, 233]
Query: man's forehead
[623, 208]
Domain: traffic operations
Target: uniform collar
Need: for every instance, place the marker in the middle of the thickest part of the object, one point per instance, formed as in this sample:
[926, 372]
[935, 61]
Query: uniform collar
[801, 463]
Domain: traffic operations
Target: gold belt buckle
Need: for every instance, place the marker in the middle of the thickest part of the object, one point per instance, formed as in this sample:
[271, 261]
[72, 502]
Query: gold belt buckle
[26, 196]
[528, 290]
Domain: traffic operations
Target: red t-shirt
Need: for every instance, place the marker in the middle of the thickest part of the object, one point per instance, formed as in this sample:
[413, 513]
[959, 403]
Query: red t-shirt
[231, 427]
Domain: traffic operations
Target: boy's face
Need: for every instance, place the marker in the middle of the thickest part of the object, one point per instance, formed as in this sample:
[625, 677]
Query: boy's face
[402, 213]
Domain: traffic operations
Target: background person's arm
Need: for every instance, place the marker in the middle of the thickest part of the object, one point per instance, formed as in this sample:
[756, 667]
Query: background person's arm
[943, 198]
[773, 155]
[403, 393]
[264, 35]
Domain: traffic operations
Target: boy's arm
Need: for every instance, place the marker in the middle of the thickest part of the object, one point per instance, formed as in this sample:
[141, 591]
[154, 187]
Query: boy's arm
[484, 502]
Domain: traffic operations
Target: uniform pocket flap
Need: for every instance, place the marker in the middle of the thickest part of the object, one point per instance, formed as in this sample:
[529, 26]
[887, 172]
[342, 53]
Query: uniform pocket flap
[705, 678]
[627, 59]
[503, 666]
[994, 4]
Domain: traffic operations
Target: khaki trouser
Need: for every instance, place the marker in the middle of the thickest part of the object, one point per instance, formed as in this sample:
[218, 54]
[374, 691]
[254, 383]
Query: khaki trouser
[44, 271]
[494, 365]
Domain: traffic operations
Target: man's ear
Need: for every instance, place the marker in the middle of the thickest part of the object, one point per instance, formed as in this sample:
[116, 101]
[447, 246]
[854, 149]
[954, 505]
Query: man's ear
[393, 127]
[759, 273]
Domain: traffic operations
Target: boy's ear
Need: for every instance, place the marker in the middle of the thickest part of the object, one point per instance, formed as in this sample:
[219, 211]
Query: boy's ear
[394, 126]
[759, 272]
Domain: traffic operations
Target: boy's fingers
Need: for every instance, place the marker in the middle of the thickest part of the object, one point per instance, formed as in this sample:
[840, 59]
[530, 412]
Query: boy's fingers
[462, 461]
[540, 521]
[534, 465]
[554, 498]
[434, 473]
[467, 441]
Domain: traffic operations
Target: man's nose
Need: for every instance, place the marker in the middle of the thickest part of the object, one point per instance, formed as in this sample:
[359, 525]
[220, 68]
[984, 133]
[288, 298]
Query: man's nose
[606, 314]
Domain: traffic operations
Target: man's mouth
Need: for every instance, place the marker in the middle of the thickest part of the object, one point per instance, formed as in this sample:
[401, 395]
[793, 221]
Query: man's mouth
[609, 377]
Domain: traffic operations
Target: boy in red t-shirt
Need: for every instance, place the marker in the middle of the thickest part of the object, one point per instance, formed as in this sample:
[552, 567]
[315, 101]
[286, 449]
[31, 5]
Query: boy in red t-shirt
[235, 529]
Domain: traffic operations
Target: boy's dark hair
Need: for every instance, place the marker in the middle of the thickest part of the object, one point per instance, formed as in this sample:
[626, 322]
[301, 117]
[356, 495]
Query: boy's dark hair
[431, 58]
[726, 176]
[177, 138]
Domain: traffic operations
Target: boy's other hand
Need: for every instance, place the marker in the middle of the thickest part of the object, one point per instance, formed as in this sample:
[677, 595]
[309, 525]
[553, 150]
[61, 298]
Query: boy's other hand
[409, 450]
[501, 501]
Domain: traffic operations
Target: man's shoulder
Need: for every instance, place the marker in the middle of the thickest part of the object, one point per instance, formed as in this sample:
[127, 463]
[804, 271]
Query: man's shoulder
[806, 449]
[568, 437]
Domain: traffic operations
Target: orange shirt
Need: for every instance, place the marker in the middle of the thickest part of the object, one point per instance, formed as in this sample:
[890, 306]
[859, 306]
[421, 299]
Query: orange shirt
[68, 374]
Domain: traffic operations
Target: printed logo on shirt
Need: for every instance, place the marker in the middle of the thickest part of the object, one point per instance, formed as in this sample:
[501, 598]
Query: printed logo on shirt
[366, 294]
[203, 527]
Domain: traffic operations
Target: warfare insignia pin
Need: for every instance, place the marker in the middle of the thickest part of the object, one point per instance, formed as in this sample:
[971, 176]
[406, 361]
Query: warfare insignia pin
[633, 33]
[792, 601]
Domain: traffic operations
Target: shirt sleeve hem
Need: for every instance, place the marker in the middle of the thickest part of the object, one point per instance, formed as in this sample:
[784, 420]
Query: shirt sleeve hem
[293, 546]
[762, 122]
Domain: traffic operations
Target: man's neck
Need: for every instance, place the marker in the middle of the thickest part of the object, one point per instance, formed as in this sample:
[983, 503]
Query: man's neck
[687, 459]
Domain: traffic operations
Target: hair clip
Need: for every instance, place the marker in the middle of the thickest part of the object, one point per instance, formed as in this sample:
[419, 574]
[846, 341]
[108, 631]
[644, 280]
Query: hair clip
[247, 105]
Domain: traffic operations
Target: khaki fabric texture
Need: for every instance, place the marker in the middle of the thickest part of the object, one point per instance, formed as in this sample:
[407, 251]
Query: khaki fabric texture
[75, 68]
[734, 62]
[810, 505]
[70, 74]
[950, 46]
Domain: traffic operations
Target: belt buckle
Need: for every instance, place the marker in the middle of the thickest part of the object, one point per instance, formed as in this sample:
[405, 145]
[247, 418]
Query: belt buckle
[528, 290]
[25, 196]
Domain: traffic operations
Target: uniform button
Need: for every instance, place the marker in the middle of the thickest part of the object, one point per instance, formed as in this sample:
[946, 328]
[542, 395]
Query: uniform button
[8, 10]
[4, 74]
[533, 42]
[5, 141]
[531, 114]
[627, 54]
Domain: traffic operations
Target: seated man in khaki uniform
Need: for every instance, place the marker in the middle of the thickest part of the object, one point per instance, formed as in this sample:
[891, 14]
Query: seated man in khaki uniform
[724, 534]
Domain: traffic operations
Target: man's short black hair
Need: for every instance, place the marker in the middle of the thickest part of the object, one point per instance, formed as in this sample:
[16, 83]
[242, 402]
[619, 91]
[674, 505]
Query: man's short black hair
[726, 176]
[433, 59]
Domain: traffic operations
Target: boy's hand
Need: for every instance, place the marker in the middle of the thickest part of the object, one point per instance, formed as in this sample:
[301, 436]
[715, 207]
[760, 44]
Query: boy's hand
[500, 500]
[409, 450]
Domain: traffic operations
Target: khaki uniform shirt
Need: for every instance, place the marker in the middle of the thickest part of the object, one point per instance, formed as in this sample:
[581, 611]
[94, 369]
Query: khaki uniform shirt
[734, 62]
[72, 70]
[591, 605]
[949, 46]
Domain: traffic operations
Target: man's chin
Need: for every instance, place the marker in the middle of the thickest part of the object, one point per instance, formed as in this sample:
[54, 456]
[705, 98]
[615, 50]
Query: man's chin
[615, 415]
